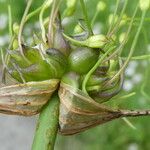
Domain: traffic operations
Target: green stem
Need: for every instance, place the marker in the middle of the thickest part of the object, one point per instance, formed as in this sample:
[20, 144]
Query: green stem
[137, 19]
[10, 21]
[36, 11]
[45, 6]
[76, 42]
[121, 46]
[94, 18]
[33, 13]
[114, 15]
[127, 96]
[47, 126]
[146, 75]
[116, 27]
[94, 68]
[22, 25]
[53, 15]
[142, 57]
[5, 62]
[143, 86]
[131, 50]
[129, 123]
[86, 17]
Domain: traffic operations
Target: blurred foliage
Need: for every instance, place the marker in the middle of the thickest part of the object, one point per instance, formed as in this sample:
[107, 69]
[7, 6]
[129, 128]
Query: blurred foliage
[117, 134]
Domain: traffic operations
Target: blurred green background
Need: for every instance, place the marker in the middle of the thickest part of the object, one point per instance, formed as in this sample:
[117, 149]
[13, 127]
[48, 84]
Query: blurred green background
[117, 134]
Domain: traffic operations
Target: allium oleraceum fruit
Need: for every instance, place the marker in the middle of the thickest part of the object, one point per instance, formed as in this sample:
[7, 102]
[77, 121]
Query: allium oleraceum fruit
[85, 69]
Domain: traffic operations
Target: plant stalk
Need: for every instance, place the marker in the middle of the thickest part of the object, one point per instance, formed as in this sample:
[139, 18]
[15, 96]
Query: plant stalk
[47, 126]
[23, 20]
[86, 17]
[131, 50]
[94, 68]
[53, 15]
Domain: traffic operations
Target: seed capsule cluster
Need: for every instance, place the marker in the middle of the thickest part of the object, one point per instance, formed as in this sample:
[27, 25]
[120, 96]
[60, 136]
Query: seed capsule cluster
[85, 69]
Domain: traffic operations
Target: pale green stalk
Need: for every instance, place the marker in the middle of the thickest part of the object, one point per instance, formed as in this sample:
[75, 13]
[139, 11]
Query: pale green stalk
[147, 19]
[53, 15]
[131, 50]
[23, 20]
[119, 20]
[33, 13]
[120, 48]
[114, 15]
[142, 57]
[127, 95]
[6, 59]
[10, 21]
[129, 123]
[94, 18]
[87, 76]
[86, 17]
[45, 6]
[144, 85]
[146, 74]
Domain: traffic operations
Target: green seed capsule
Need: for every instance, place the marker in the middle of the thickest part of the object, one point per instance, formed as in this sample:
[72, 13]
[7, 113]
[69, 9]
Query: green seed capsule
[58, 60]
[82, 59]
[51, 65]
[15, 44]
[144, 5]
[71, 79]
[16, 28]
[96, 80]
[94, 41]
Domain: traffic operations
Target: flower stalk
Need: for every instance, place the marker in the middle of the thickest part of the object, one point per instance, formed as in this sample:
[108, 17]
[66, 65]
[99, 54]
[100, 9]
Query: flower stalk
[47, 126]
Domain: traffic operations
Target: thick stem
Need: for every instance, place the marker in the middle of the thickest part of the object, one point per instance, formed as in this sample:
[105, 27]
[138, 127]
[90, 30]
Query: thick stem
[47, 126]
